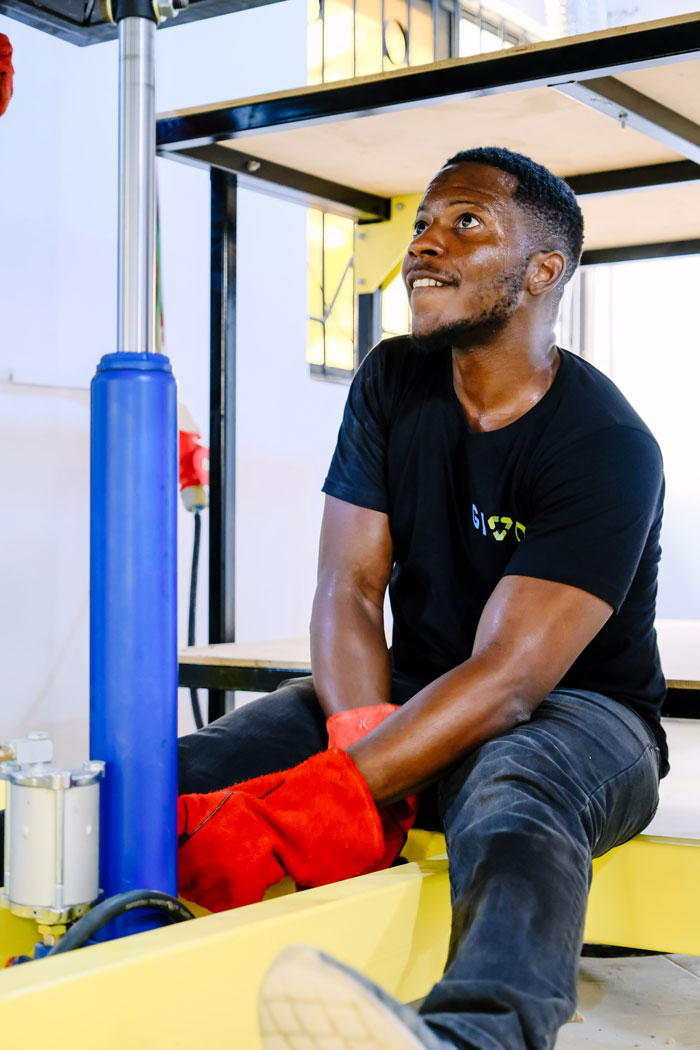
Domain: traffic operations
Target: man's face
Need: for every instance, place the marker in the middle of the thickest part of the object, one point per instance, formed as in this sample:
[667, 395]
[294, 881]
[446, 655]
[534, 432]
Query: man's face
[470, 237]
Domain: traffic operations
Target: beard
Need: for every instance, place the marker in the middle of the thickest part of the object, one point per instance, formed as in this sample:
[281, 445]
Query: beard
[479, 329]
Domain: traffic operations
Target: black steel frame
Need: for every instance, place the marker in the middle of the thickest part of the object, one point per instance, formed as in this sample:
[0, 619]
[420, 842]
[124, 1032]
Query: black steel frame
[222, 678]
[222, 419]
[680, 703]
[369, 323]
[66, 19]
[570, 60]
[194, 137]
[633, 252]
[626, 180]
[297, 186]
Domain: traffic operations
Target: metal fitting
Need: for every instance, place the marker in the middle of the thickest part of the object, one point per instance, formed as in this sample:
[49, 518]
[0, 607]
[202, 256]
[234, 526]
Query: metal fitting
[29, 749]
[169, 8]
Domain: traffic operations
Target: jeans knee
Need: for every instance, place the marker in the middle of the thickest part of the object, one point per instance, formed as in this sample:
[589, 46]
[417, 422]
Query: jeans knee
[500, 811]
[506, 776]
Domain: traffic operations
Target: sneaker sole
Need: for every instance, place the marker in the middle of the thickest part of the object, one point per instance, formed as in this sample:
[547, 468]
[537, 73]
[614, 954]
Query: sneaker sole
[307, 1004]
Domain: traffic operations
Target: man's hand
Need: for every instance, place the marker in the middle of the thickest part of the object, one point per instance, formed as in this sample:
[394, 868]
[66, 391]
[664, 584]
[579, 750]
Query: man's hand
[316, 822]
[347, 727]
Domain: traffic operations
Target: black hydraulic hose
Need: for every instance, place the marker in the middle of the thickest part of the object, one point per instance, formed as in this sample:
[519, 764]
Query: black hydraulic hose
[171, 908]
[196, 709]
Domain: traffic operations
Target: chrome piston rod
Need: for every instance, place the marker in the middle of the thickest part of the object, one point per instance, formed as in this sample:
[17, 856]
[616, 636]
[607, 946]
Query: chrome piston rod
[137, 194]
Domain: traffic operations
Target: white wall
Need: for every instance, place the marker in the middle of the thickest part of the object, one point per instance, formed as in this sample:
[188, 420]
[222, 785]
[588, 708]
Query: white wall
[652, 351]
[287, 425]
[57, 276]
[57, 282]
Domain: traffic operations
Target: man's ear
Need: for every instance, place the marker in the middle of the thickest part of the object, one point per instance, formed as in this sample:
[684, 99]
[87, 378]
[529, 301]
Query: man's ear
[545, 272]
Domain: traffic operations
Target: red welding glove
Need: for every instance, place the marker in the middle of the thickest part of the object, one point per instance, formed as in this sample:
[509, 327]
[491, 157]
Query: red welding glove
[6, 73]
[316, 822]
[346, 728]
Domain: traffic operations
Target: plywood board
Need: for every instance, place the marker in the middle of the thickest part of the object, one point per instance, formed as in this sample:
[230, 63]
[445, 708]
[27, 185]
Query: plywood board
[676, 86]
[294, 653]
[669, 213]
[679, 644]
[397, 153]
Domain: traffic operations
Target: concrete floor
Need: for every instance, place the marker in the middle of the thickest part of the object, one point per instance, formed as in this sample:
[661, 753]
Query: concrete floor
[650, 1002]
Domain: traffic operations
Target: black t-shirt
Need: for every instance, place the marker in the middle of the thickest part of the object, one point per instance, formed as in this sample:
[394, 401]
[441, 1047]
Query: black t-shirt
[572, 491]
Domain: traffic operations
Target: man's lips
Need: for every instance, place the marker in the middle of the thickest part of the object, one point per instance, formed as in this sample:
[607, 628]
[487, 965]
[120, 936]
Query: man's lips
[417, 280]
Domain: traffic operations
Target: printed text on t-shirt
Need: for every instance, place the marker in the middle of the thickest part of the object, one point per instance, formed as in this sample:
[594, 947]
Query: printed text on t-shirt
[499, 524]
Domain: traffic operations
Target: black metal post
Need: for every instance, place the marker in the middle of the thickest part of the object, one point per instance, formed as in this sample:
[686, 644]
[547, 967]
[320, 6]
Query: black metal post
[222, 420]
[634, 252]
[369, 323]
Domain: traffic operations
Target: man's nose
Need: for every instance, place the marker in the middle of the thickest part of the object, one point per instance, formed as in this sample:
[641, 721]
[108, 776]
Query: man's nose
[426, 243]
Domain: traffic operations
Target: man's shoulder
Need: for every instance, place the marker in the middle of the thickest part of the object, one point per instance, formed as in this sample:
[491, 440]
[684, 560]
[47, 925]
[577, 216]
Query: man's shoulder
[395, 353]
[395, 363]
[591, 401]
[389, 372]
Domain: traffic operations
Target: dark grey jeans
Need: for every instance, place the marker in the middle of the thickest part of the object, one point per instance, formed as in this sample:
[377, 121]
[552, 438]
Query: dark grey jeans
[523, 817]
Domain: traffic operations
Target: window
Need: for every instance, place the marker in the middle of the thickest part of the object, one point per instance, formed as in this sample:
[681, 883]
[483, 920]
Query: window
[349, 38]
[331, 339]
[482, 29]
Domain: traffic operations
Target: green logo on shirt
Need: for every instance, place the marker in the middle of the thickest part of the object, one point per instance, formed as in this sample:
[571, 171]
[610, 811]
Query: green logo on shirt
[499, 524]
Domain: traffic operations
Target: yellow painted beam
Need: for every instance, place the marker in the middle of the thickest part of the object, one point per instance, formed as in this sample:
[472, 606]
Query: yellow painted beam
[646, 894]
[196, 984]
[380, 246]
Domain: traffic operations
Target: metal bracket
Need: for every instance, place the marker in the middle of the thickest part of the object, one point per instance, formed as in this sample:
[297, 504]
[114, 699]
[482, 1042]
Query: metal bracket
[631, 108]
[380, 246]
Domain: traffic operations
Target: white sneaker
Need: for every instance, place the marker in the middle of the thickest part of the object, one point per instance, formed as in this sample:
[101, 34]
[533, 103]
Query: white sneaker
[309, 1001]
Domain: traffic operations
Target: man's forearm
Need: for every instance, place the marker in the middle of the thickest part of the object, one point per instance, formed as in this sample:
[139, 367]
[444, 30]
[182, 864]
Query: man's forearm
[438, 727]
[349, 655]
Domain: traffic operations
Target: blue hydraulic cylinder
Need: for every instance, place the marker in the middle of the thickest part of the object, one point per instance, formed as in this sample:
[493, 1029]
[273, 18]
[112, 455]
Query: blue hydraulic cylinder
[133, 624]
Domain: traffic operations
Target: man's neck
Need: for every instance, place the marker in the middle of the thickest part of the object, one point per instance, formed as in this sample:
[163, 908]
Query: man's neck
[498, 382]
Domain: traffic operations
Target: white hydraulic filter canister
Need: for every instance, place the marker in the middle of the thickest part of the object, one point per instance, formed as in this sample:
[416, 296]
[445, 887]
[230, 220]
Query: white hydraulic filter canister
[51, 840]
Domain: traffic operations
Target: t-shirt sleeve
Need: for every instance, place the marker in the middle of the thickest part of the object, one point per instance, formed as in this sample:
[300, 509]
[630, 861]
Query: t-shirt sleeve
[594, 505]
[357, 473]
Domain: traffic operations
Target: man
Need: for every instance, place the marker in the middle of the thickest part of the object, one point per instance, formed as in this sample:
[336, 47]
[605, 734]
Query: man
[511, 499]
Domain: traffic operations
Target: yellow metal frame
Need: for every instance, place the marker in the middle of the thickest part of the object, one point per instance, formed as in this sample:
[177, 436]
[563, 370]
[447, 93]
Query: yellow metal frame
[196, 984]
[645, 895]
[380, 246]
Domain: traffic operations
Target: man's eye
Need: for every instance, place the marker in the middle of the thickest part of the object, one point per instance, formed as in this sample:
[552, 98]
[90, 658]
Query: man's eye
[467, 221]
[418, 227]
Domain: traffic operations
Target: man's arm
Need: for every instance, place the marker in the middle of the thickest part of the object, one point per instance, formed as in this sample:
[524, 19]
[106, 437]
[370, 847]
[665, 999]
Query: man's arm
[529, 634]
[349, 655]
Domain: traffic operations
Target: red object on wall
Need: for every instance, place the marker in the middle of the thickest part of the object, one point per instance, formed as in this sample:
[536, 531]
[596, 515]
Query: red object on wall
[194, 460]
[6, 73]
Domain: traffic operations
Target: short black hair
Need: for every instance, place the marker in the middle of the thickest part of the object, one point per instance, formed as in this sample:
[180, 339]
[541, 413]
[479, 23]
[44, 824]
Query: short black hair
[552, 204]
